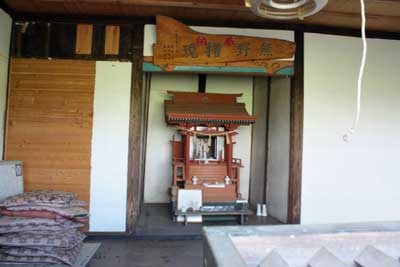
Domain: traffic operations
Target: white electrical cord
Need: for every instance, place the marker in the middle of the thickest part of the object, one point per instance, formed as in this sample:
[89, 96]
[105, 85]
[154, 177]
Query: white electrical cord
[351, 130]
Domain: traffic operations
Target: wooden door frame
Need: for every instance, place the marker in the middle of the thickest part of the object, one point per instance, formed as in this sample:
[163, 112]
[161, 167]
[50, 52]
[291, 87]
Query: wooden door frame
[138, 121]
[296, 133]
[136, 136]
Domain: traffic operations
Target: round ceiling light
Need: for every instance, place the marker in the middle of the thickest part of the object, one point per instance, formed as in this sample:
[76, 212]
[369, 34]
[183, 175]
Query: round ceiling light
[286, 9]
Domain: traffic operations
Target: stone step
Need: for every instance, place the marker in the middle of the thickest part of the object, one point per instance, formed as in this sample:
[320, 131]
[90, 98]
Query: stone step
[324, 258]
[373, 257]
[273, 259]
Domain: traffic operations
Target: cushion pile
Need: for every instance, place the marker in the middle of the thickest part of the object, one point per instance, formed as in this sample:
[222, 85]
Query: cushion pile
[41, 227]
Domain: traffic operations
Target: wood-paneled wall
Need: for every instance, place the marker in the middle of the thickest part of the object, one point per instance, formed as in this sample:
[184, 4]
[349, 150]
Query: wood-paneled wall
[49, 123]
[103, 42]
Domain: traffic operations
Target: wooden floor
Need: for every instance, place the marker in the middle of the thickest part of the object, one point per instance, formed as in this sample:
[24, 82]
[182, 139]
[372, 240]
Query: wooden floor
[155, 221]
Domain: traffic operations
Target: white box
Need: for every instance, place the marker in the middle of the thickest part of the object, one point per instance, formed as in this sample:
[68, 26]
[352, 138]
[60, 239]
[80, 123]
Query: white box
[11, 179]
[190, 198]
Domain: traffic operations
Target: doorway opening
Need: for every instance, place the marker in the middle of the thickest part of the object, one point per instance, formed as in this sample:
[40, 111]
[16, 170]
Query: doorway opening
[263, 149]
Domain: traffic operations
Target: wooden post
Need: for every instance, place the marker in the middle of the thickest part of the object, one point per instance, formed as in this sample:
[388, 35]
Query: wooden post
[229, 155]
[296, 133]
[135, 166]
[238, 182]
[187, 156]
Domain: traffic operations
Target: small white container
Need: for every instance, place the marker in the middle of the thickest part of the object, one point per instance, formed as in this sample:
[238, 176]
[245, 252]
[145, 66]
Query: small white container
[259, 213]
[264, 210]
[227, 180]
[194, 179]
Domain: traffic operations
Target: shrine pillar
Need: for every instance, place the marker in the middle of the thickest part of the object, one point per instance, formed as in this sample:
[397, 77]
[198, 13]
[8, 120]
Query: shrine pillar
[187, 155]
[229, 154]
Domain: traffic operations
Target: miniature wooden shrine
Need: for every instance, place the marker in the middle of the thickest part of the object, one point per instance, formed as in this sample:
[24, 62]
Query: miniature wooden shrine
[203, 158]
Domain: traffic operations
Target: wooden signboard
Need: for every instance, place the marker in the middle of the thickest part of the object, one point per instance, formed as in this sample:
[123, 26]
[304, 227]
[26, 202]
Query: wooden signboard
[178, 45]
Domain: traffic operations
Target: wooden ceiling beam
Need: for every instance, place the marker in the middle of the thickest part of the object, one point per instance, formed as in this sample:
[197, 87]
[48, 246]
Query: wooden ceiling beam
[6, 8]
[203, 4]
[382, 15]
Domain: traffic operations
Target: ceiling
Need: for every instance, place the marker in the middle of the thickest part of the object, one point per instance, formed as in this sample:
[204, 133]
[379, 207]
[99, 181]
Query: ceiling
[382, 15]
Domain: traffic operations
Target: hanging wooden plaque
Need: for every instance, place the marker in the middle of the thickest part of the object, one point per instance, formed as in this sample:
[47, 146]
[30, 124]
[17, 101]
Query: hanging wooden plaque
[177, 44]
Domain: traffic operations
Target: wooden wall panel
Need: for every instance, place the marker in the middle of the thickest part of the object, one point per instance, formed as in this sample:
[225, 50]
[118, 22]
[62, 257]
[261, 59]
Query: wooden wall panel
[49, 123]
[111, 46]
[84, 38]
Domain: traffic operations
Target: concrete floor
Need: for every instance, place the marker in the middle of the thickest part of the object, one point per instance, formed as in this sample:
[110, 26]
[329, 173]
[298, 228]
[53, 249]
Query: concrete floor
[156, 223]
[138, 253]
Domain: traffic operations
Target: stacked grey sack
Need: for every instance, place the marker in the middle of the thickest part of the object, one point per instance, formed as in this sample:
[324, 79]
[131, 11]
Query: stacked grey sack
[41, 227]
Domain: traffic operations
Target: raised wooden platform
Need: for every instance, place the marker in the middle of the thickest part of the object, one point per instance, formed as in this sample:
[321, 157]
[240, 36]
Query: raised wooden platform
[155, 223]
[241, 213]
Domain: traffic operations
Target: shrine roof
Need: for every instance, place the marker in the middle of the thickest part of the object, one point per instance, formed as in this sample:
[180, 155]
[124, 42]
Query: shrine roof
[206, 108]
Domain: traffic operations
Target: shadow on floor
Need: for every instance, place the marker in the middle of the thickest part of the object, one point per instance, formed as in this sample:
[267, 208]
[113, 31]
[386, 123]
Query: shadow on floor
[141, 253]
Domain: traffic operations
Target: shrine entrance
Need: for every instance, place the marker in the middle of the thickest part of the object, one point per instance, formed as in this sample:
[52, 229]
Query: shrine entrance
[221, 129]
[210, 145]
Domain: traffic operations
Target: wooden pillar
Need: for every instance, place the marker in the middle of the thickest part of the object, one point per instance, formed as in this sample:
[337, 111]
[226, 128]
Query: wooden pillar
[187, 156]
[296, 133]
[229, 155]
[135, 159]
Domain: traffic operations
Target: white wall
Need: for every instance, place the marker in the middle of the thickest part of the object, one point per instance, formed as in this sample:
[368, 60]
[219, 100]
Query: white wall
[158, 172]
[359, 180]
[5, 35]
[110, 141]
[242, 148]
[278, 149]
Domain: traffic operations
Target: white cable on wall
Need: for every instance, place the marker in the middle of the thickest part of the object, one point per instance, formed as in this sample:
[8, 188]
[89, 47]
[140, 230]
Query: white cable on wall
[351, 130]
